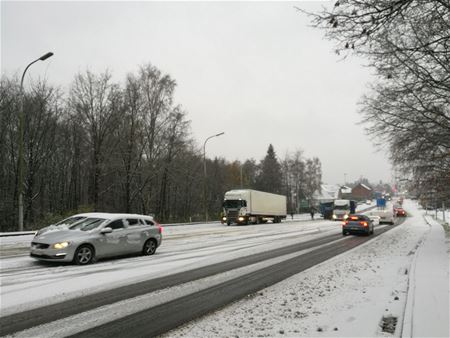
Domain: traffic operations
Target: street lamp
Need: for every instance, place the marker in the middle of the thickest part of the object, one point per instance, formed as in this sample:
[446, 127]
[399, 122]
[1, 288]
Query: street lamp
[204, 170]
[21, 141]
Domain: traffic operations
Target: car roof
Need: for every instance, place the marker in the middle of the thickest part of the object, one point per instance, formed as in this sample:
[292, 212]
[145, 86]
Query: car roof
[92, 214]
[108, 215]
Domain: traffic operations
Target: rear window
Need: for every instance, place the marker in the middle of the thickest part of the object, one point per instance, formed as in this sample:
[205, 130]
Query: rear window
[357, 218]
[148, 222]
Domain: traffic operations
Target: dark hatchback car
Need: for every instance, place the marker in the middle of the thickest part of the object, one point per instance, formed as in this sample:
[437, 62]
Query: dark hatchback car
[357, 224]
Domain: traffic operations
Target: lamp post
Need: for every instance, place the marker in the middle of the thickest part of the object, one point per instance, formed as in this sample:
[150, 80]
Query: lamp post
[204, 171]
[20, 158]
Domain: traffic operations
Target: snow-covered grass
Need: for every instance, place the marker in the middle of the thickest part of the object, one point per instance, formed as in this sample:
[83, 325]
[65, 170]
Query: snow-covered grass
[402, 276]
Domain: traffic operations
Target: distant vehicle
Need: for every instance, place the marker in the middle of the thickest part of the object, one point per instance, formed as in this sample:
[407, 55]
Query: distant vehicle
[246, 206]
[381, 202]
[400, 212]
[343, 208]
[93, 237]
[386, 215]
[326, 209]
[357, 224]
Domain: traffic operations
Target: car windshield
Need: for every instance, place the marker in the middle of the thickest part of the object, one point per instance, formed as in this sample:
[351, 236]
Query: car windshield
[87, 224]
[234, 204]
[70, 220]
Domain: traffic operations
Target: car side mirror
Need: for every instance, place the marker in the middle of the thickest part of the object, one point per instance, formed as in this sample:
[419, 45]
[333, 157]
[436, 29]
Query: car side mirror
[106, 230]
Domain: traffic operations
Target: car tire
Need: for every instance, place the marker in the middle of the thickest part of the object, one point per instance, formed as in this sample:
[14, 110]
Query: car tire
[84, 255]
[149, 247]
[344, 233]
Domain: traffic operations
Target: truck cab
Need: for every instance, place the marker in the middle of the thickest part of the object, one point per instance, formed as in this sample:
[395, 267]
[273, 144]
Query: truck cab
[235, 211]
[343, 208]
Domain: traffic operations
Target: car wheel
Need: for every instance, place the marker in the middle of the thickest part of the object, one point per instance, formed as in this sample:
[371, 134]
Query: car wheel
[149, 247]
[344, 233]
[84, 255]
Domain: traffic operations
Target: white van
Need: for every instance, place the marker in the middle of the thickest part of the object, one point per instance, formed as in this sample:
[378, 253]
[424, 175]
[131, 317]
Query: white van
[386, 215]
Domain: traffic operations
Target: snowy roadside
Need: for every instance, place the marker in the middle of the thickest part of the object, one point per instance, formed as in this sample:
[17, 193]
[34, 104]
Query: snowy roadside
[427, 312]
[362, 293]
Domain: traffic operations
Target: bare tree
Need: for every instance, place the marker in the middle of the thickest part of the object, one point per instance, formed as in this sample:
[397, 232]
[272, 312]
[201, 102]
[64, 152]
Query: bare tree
[93, 104]
[407, 43]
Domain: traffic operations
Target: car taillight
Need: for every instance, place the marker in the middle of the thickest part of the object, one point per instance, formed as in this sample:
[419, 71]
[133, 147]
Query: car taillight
[364, 224]
[345, 223]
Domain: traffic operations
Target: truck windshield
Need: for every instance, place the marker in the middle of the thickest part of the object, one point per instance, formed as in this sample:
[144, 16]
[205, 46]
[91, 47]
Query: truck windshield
[228, 204]
[341, 207]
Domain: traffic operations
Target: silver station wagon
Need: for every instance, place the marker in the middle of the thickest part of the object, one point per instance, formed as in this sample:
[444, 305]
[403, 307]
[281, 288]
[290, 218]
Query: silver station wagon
[97, 235]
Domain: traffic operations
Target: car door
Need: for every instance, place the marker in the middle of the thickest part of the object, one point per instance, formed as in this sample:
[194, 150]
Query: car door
[115, 243]
[135, 234]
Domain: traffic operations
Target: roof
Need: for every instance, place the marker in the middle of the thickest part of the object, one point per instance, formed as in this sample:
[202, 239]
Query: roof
[346, 190]
[108, 215]
[329, 192]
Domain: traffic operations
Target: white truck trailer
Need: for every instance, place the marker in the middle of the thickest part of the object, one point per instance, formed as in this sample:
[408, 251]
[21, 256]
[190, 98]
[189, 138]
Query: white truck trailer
[246, 206]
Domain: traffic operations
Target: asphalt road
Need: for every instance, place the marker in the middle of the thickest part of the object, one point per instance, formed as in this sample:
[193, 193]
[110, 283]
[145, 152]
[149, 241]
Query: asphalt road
[164, 317]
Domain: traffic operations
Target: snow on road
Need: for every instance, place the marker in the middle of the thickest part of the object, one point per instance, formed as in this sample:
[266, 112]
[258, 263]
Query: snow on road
[364, 292]
[26, 283]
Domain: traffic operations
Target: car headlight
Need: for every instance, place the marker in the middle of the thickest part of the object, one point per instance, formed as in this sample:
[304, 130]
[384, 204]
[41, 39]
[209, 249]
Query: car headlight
[345, 216]
[224, 218]
[61, 245]
[334, 216]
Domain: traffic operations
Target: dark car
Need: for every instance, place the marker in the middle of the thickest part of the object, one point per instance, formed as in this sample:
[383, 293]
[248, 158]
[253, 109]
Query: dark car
[357, 224]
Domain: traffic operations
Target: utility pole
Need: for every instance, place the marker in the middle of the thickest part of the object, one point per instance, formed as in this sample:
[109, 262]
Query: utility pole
[241, 177]
[20, 157]
[205, 202]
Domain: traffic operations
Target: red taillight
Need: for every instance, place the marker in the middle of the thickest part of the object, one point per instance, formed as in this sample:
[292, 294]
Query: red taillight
[364, 224]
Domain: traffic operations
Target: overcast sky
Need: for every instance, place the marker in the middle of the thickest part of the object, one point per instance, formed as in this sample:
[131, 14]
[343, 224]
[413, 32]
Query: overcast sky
[252, 69]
